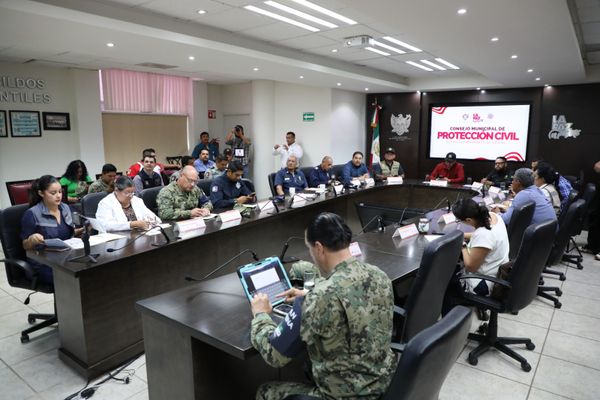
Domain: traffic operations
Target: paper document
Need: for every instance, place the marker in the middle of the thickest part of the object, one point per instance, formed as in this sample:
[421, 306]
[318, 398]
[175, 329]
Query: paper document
[77, 243]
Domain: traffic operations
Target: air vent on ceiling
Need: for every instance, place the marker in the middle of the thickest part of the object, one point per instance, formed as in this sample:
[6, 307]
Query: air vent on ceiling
[155, 65]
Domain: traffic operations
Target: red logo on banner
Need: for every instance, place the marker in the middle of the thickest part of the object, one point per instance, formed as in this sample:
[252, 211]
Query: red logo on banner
[438, 110]
[514, 156]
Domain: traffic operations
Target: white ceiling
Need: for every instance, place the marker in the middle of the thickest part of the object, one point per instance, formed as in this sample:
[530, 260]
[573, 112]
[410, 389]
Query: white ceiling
[229, 41]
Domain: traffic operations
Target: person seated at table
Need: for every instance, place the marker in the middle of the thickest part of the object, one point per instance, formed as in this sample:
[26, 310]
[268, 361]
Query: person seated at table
[203, 163]
[525, 190]
[501, 176]
[77, 181]
[183, 199]
[344, 322]
[135, 168]
[106, 182]
[389, 167]
[147, 178]
[47, 218]
[354, 168]
[545, 177]
[205, 143]
[185, 160]
[122, 210]
[321, 174]
[229, 189]
[218, 169]
[485, 250]
[449, 170]
[563, 186]
[290, 177]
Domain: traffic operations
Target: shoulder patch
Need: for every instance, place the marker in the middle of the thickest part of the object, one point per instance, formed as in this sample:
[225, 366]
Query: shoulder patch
[215, 188]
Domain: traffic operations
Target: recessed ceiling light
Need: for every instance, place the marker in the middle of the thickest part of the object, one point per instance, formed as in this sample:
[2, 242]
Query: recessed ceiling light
[418, 92]
[339, 84]
[281, 18]
[255, 69]
[374, 50]
[414, 64]
[300, 14]
[325, 11]
[462, 11]
[483, 91]
[386, 46]
[334, 50]
[201, 12]
[446, 63]
[478, 88]
[424, 93]
[301, 77]
[514, 56]
[548, 86]
[366, 89]
[191, 58]
[110, 44]
[530, 70]
[494, 39]
[403, 44]
[538, 78]
[434, 65]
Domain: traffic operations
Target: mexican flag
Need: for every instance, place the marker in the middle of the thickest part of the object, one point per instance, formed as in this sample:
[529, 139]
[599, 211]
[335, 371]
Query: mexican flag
[375, 152]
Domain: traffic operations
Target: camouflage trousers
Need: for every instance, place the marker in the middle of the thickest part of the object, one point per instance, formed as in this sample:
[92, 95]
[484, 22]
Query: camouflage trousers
[280, 390]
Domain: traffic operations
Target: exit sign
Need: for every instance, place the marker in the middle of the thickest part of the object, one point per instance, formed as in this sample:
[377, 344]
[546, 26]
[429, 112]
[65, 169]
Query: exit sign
[308, 116]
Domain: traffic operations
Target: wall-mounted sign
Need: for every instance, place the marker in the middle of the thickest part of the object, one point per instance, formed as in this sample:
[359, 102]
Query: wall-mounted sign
[308, 117]
[18, 89]
[25, 124]
[3, 126]
[56, 121]
[562, 128]
[212, 114]
[400, 124]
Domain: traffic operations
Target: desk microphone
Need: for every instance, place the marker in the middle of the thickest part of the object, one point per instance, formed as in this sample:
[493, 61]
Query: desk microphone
[274, 200]
[128, 242]
[85, 238]
[380, 225]
[332, 185]
[401, 217]
[271, 200]
[285, 247]
[302, 197]
[190, 278]
[445, 199]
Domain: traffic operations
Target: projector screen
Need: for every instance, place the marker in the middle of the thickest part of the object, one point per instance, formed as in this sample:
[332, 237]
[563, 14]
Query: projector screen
[479, 132]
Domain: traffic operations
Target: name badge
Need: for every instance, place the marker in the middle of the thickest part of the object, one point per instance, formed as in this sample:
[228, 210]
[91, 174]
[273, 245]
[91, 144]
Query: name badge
[395, 180]
[477, 186]
[355, 249]
[438, 182]
[238, 152]
[370, 182]
[298, 202]
[191, 225]
[494, 189]
[229, 216]
[488, 201]
[406, 231]
[238, 185]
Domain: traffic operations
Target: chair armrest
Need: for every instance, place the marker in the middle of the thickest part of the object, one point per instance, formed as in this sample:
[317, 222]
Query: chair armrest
[397, 347]
[499, 281]
[24, 265]
[400, 311]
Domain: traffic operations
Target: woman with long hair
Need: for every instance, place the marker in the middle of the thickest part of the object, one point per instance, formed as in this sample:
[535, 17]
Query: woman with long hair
[77, 181]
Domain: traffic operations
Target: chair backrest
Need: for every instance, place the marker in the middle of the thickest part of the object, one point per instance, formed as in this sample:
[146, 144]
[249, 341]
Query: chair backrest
[149, 196]
[249, 184]
[205, 185]
[424, 303]
[336, 171]
[566, 227]
[12, 245]
[429, 356]
[89, 203]
[306, 171]
[18, 191]
[174, 160]
[520, 220]
[272, 183]
[527, 267]
[563, 211]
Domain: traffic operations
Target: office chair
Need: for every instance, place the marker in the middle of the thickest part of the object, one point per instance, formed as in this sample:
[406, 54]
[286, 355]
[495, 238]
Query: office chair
[149, 196]
[427, 359]
[336, 171]
[522, 283]
[18, 270]
[560, 242]
[205, 185]
[306, 171]
[576, 259]
[18, 191]
[424, 303]
[271, 178]
[520, 220]
[249, 184]
[89, 203]
[174, 160]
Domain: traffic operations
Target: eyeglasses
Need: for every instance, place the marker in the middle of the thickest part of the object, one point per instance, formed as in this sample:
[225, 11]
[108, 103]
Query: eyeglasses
[191, 181]
[127, 194]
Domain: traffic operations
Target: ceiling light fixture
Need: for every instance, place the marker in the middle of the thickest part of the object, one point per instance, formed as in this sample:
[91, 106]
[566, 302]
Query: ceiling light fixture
[530, 70]
[339, 84]
[538, 78]
[110, 44]
[514, 56]
[483, 91]
[366, 89]
[255, 69]
[300, 14]
[461, 11]
[403, 44]
[334, 50]
[374, 50]
[494, 39]
[325, 11]
[478, 88]
[446, 63]
[385, 46]
[191, 58]
[201, 12]
[424, 93]
[548, 86]
[414, 64]
[282, 18]
[434, 65]
[418, 92]
[301, 77]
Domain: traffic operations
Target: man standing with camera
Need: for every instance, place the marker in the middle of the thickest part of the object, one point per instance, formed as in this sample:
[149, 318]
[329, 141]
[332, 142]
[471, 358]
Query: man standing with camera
[240, 144]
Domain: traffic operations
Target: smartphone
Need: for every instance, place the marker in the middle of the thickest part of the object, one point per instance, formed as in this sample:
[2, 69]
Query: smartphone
[282, 309]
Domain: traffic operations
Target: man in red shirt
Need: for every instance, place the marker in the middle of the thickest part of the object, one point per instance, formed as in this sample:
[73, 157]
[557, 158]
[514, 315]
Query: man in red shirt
[135, 168]
[449, 170]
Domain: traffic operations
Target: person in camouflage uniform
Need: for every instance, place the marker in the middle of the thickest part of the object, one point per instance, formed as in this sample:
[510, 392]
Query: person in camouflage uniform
[345, 323]
[182, 199]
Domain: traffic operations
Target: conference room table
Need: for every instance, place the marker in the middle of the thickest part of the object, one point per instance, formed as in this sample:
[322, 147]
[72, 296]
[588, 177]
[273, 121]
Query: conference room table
[99, 326]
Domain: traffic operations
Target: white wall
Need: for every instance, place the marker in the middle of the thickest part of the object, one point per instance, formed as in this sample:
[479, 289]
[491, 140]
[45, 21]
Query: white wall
[71, 90]
[347, 125]
[198, 121]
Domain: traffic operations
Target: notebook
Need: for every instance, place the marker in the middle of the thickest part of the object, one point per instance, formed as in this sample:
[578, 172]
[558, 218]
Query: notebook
[265, 276]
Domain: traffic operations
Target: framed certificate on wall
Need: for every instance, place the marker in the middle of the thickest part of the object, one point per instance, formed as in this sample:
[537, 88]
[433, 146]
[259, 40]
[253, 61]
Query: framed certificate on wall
[54, 121]
[3, 124]
[25, 124]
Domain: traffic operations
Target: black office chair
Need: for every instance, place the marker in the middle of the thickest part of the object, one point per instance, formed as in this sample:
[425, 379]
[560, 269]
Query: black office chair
[306, 171]
[149, 196]
[249, 184]
[89, 203]
[427, 359]
[563, 211]
[17, 267]
[523, 286]
[205, 185]
[424, 303]
[560, 242]
[336, 171]
[576, 259]
[272, 183]
[519, 221]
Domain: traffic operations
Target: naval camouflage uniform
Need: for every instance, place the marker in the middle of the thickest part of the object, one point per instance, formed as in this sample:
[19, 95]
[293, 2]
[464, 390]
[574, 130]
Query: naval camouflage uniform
[100, 186]
[299, 267]
[345, 323]
[174, 203]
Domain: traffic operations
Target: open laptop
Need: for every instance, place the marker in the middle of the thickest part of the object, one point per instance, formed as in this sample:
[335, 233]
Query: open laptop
[269, 277]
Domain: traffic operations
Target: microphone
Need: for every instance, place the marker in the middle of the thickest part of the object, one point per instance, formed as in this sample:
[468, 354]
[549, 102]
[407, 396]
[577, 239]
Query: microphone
[285, 247]
[438, 204]
[128, 242]
[190, 278]
[275, 200]
[85, 238]
[401, 217]
[448, 201]
[332, 185]
[380, 225]
[271, 200]
[166, 236]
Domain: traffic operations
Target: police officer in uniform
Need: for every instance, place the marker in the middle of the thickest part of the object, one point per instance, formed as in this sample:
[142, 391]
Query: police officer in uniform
[345, 322]
[321, 174]
[290, 177]
[389, 166]
[229, 189]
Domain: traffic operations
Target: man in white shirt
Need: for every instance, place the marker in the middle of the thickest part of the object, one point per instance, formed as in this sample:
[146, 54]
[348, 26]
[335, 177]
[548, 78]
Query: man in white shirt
[288, 149]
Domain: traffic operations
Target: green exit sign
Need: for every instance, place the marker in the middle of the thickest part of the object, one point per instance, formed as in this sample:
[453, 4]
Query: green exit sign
[308, 116]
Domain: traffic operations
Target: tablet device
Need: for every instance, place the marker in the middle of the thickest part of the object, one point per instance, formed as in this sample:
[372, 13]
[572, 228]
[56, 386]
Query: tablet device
[265, 276]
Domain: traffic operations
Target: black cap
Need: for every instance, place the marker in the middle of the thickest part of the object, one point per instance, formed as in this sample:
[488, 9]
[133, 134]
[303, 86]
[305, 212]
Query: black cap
[390, 150]
[450, 157]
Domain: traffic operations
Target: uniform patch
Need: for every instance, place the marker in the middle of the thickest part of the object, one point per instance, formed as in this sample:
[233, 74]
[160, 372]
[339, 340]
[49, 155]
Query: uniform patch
[238, 185]
[215, 188]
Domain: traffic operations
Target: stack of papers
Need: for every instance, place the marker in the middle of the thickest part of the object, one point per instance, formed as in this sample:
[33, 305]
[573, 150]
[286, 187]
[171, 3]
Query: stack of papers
[76, 243]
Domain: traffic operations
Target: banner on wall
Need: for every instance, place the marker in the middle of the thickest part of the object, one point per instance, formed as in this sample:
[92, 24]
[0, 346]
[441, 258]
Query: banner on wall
[480, 132]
